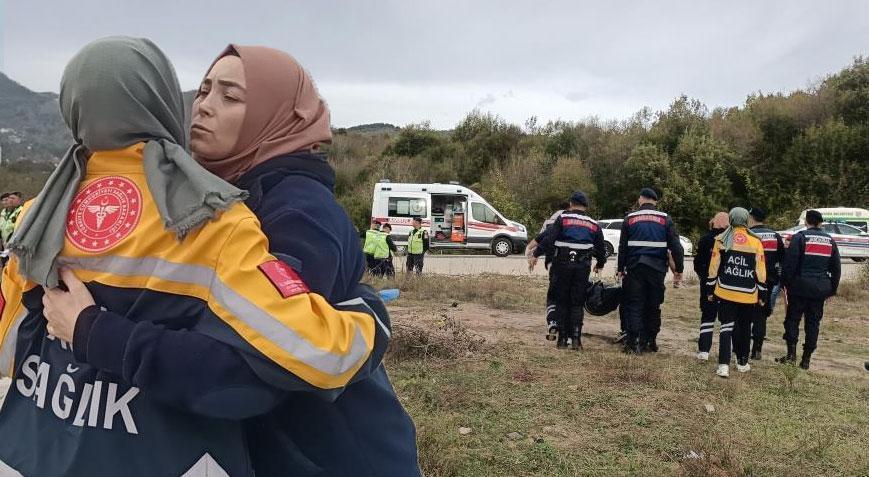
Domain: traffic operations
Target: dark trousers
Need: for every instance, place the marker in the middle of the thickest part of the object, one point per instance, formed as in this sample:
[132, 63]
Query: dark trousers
[708, 315]
[383, 268]
[550, 301]
[813, 311]
[743, 317]
[415, 262]
[733, 316]
[370, 262]
[643, 290]
[761, 314]
[569, 283]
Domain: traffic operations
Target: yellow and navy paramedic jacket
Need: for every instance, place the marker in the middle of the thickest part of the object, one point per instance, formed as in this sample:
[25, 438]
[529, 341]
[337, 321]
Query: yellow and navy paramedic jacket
[120, 399]
[738, 274]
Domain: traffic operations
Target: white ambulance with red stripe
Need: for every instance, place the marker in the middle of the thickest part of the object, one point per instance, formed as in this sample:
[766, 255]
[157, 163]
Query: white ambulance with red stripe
[456, 217]
[853, 243]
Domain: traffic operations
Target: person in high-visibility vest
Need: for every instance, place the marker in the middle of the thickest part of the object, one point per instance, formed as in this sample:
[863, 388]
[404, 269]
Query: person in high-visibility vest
[417, 246]
[9, 215]
[371, 236]
[376, 249]
[383, 252]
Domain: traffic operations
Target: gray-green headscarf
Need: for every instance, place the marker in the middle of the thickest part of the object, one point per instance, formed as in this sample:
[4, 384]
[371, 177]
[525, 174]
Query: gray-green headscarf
[116, 92]
[738, 218]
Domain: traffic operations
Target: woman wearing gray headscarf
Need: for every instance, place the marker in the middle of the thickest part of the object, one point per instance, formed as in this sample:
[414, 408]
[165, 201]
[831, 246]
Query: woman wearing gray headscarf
[737, 278]
[122, 389]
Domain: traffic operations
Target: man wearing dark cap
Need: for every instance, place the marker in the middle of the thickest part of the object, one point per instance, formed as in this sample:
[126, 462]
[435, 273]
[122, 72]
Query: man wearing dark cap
[647, 235]
[574, 238]
[810, 274]
[773, 250]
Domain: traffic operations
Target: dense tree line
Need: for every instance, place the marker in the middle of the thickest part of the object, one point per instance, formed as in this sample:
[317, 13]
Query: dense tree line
[783, 152]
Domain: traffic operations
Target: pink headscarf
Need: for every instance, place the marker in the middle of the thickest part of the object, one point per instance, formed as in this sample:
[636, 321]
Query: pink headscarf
[285, 114]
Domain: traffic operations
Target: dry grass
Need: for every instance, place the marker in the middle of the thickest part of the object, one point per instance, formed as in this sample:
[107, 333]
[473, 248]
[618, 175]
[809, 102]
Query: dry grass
[523, 293]
[444, 339]
[600, 412]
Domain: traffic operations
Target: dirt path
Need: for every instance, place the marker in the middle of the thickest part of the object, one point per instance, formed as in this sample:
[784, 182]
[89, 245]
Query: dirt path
[504, 327]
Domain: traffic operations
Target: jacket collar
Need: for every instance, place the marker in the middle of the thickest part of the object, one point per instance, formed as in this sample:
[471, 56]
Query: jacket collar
[263, 177]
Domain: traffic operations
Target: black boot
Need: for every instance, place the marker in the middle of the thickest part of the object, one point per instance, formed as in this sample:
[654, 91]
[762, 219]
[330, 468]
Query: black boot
[807, 358]
[756, 346]
[576, 344]
[562, 342]
[652, 345]
[632, 345]
[791, 357]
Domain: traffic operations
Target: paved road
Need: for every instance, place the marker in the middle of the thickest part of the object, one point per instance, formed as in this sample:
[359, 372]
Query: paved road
[516, 265]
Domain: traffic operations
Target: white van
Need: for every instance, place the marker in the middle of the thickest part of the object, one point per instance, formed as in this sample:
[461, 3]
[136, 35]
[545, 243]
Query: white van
[456, 217]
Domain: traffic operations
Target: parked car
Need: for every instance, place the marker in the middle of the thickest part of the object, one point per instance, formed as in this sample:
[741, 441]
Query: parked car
[612, 232]
[853, 243]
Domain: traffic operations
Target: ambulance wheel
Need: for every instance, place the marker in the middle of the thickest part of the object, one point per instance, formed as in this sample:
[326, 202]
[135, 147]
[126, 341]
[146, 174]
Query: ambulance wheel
[502, 247]
[609, 249]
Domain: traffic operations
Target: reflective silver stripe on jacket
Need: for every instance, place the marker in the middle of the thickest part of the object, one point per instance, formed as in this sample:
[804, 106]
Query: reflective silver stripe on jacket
[240, 307]
[577, 216]
[648, 212]
[643, 243]
[735, 288]
[574, 246]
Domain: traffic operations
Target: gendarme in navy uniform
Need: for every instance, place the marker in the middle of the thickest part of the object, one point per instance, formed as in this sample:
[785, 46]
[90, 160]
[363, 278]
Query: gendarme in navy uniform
[774, 251]
[647, 235]
[573, 239]
[810, 273]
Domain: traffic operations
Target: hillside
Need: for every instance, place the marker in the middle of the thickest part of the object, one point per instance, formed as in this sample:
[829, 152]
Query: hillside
[31, 127]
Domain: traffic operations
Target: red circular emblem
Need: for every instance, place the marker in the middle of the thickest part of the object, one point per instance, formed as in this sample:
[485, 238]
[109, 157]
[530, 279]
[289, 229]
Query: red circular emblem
[103, 213]
[740, 239]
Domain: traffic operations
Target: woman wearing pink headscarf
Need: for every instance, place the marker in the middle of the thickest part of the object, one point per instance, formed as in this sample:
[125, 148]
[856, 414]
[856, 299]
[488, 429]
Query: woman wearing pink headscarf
[258, 122]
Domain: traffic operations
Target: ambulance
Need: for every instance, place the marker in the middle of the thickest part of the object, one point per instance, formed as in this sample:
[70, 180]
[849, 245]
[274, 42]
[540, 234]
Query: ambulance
[456, 217]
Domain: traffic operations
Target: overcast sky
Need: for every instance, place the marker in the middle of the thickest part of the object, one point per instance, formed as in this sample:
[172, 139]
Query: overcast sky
[404, 61]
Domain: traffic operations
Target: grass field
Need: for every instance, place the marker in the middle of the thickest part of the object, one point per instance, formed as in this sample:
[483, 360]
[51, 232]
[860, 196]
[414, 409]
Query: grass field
[469, 353]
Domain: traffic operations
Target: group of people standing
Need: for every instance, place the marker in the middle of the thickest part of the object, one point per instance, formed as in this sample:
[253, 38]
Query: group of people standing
[193, 308]
[379, 248]
[648, 244]
[741, 263]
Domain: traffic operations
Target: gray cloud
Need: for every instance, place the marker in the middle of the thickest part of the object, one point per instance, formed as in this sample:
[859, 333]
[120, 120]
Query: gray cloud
[489, 99]
[577, 96]
[399, 61]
